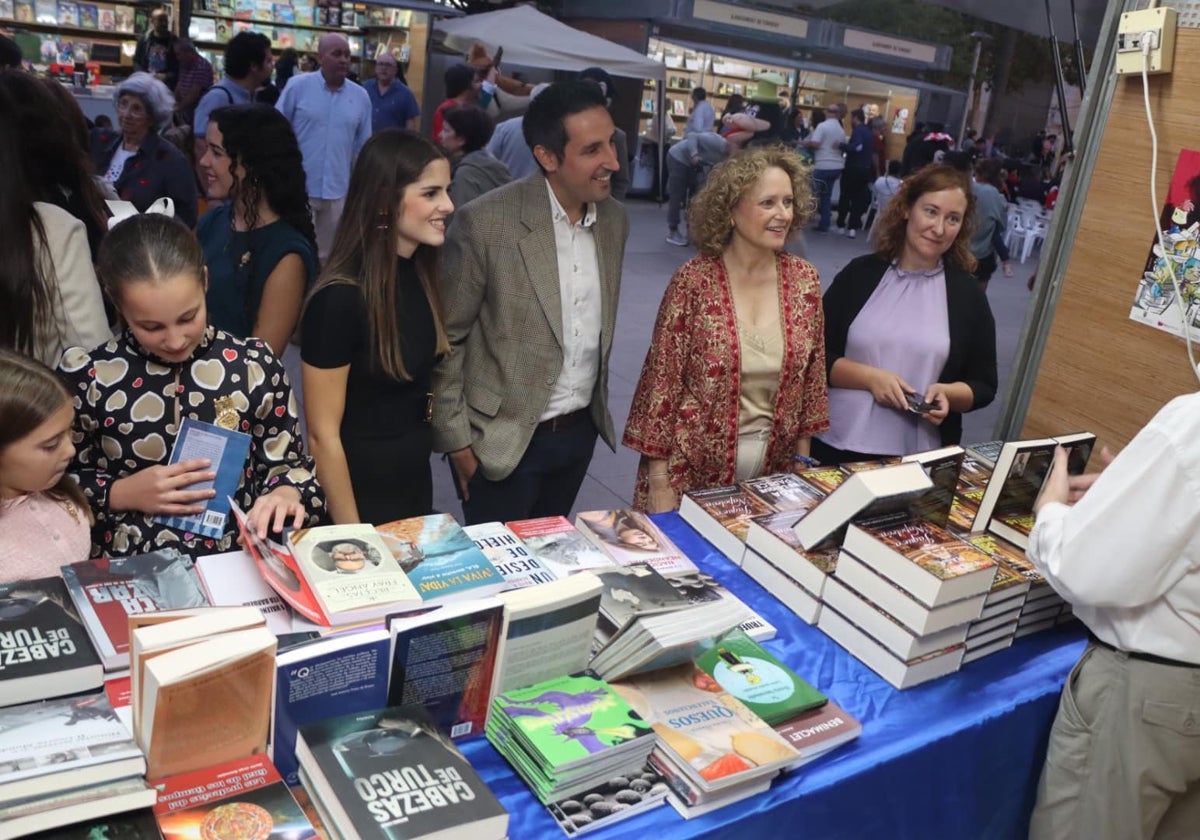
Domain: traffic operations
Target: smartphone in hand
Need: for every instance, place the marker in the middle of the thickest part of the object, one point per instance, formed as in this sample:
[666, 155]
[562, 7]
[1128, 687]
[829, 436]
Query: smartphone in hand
[917, 405]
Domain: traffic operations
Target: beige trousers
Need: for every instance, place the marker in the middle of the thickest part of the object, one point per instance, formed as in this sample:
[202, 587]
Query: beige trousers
[1124, 756]
[326, 212]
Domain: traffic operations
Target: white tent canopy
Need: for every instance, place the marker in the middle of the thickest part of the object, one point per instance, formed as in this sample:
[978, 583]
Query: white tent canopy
[532, 39]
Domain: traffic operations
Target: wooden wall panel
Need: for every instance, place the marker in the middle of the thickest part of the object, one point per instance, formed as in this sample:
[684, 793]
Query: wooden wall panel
[1101, 371]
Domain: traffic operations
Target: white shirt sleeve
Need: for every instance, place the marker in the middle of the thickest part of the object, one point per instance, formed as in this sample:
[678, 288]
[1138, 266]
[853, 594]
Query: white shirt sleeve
[1136, 532]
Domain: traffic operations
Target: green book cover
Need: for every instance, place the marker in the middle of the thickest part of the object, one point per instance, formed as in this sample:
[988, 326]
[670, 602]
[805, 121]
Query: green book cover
[750, 673]
[569, 720]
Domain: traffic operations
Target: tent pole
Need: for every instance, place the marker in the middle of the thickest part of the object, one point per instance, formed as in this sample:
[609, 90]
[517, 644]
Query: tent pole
[1060, 84]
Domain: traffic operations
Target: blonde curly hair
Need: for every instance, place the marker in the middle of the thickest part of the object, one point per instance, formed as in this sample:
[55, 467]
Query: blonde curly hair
[710, 217]
[892, 226]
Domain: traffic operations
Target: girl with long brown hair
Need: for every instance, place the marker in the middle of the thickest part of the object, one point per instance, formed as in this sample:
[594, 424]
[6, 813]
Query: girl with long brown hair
[372, 332]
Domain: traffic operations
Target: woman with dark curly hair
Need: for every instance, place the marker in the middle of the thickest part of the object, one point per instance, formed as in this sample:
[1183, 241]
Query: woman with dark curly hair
[909, 337]
[259, 245]
[733, 386]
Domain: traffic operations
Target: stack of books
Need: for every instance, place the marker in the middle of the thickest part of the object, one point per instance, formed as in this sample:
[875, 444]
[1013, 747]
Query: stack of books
[45, 649]
[904, 590]
[567, 735]
[997, 624]
[645, 623]
[392, 773]
[711, 748]
[64, 761]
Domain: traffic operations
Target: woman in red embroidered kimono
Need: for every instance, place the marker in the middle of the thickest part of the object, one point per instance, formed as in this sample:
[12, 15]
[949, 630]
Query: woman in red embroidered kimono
[734, 383]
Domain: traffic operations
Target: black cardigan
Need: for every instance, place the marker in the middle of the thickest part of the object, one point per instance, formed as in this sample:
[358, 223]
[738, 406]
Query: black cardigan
[972, 356]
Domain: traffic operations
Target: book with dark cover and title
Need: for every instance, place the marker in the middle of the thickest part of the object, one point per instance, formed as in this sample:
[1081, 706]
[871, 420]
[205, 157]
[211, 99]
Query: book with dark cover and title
[824, 479]
[44, 649]
[749, 672]
[1020, 471]
[445, 660]
[334, 574]
[242, 798]
[106, 591]
[508, 554]
[928, 562]
[440, 560]
[392, 774]
[57, 745]
[864, 495]
[721, 515]
[943, 467]
[565, 735]
[346, 672]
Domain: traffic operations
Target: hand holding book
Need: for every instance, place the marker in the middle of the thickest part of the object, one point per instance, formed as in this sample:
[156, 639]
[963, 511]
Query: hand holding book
[163, 489]
[1068, 489]
[273, 510]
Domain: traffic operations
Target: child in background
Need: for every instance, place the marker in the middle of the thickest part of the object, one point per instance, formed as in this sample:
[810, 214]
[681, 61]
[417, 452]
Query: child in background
[884, 188]
[168, 364]
[44, 518]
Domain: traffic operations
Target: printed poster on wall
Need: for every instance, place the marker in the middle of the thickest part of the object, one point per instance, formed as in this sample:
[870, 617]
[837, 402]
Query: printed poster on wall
[1156, 303]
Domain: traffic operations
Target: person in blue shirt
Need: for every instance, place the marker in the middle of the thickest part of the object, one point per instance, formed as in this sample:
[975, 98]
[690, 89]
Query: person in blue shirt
[248, 64]
[332, 121]
[392, 102]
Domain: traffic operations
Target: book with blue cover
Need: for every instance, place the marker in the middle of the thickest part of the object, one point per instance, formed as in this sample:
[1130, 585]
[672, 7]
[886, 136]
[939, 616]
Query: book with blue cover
[439, 558]
[227, 449]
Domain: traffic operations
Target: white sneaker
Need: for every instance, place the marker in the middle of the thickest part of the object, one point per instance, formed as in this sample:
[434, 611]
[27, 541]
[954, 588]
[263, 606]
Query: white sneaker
[852, 233]
[839, 231]
[677, 238]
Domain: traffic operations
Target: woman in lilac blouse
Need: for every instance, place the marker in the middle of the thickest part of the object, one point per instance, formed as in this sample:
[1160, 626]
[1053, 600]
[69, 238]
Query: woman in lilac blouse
[910, 343]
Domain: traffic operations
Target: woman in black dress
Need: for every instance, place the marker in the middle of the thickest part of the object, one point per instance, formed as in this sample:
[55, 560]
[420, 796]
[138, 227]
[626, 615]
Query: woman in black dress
[372, 332]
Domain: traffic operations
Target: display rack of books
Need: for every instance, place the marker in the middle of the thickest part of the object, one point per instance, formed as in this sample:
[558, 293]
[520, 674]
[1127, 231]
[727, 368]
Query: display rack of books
[56, 35]
[719, 76]
[371, 30]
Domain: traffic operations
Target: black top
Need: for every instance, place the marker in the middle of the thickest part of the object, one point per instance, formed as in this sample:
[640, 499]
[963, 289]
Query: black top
[972, 356]
[336, 333]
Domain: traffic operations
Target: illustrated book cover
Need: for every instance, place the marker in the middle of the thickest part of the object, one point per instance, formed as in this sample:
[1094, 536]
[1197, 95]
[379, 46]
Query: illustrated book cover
[439, 558]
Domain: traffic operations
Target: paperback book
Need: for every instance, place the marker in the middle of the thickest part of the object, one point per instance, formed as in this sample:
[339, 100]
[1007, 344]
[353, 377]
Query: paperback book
[548, 630]
[440, 559]
[446, 660]
[44, 649]
[629, 536]
[508, 555]
[334, 574]
[864, 495]
[107, 591]
[721, 515]
[131, 825]
[58, 745]
[1020, 471]
[70, 807]
[706, 733]
[392, 774]
[558, 545]
[610, 802]
[241, 798]
[565, 735]
[819, 730]
[899, 672]
[231, 579]
[774, 537]
[753, 675]
[699, 587]
[226, 450]
[929, 563]
[943, 467]
[346, 672]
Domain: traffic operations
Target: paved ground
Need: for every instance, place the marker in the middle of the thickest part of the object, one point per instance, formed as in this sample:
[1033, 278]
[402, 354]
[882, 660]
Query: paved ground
[649, 263]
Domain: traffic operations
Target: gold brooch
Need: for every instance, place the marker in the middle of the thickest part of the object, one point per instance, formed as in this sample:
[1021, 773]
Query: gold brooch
[227, 413]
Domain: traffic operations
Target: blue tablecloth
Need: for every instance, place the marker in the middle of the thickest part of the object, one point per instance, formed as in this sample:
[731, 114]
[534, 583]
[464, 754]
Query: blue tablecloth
[955, 758]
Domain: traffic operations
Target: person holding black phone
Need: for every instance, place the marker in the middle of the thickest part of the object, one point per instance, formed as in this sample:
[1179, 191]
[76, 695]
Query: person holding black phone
[910, 342]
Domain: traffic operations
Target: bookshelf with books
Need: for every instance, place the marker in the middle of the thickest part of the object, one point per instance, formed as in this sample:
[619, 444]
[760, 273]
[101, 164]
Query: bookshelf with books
[56, 35]
[371, 30]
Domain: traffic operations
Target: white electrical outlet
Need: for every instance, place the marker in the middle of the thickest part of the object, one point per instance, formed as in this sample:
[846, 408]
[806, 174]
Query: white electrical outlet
[1157, 26]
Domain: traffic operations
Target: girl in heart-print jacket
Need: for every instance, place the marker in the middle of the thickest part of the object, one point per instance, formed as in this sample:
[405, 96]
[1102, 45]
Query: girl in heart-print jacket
[129, 405]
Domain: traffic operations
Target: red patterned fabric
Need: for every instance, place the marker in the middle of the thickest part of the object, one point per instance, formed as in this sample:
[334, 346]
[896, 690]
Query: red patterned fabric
[685, 409]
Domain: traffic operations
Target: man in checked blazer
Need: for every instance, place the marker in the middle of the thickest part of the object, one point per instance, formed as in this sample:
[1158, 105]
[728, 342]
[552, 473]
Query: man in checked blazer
[530, 277]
